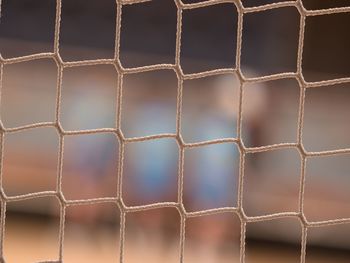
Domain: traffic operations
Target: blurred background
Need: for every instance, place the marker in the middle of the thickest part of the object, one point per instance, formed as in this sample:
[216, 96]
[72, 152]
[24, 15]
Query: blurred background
[210, 106]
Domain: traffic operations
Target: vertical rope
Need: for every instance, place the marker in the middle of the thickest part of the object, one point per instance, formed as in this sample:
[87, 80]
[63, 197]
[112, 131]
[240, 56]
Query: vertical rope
[122, 236]
[300, 132]
[2, 201]
[181, 160]
[2, 232]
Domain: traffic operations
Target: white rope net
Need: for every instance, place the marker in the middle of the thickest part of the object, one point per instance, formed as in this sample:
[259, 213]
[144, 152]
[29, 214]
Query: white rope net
[182, 145]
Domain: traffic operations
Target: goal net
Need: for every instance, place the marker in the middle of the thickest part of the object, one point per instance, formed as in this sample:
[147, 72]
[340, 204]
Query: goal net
[182, 145]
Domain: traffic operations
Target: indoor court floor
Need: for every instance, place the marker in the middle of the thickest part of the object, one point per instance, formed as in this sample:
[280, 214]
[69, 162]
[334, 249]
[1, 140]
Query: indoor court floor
[29, 240]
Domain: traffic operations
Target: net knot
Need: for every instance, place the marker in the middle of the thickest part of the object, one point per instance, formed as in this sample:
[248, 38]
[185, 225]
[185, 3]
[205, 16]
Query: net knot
[303, 219]
[121, 205]
[61, 198]
[299, 5]
[301, 149]
[3, 196]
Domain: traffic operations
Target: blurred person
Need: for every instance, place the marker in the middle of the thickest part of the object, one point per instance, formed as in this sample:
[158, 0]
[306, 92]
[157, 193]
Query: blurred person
[150, 171]
[214, 169]
[89, 160]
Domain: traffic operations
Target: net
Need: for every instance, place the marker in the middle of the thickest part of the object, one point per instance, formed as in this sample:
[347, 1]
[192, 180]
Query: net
[182, 145]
